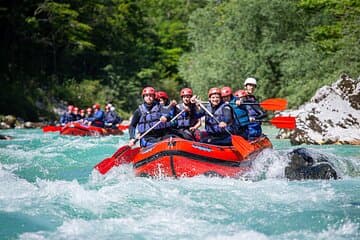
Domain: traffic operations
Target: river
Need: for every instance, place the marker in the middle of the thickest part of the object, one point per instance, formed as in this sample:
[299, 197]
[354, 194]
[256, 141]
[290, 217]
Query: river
[49, 190]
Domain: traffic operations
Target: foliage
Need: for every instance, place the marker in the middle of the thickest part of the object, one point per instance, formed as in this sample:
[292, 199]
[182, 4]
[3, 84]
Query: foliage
[281, 43]
[107, 51]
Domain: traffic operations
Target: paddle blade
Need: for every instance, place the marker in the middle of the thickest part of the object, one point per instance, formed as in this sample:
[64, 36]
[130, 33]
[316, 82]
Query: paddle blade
[284, 122]
[105, 165]
[127, 156]
[243, 146]
[274, 104]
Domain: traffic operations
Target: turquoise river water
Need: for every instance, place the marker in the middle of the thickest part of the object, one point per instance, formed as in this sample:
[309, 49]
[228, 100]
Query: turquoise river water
[49, 190]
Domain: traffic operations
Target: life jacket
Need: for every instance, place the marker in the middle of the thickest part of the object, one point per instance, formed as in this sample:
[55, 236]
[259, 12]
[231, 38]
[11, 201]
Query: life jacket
[186, 119]
[254, 128]
[98, 119]
[253, 131]
[149, 117]
[77, 117]
[249, 108]
[241, 116]
[67, 117]
[211, 125]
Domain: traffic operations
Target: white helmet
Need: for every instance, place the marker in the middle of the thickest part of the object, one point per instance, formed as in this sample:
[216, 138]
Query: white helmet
[250, 81]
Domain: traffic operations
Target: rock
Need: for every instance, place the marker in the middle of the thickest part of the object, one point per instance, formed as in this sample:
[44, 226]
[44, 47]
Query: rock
[331, 117]
[10, 121]
[4, 125]
[5, 137]
[28, 125]
[305, 164]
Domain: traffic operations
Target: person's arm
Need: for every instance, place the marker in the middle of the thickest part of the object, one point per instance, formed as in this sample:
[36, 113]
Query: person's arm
[196, 126]
[228, 119]
[228, 116]
[261, 114]
[134, 121]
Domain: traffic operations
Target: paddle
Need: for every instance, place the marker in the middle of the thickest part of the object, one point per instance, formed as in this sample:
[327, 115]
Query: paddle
[271, 104]
[105, 165]
[243, 146]
[283, 122]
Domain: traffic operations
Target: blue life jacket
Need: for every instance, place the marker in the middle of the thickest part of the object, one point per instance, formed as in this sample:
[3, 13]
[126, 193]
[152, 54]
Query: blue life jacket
[149, 117]
[66, 118]
[211, 125]
[109, 117]
[186, 119]
[240, 113]
[97, 119]
[254, 128]
[253, 131]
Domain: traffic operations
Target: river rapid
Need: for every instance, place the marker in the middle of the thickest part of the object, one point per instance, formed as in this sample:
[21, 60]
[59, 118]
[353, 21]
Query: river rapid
[49, 190]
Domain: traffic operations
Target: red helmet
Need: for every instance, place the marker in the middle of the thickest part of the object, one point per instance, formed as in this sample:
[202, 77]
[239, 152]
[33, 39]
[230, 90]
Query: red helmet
[161, 94]
[88, 110]
[70, 107]
[240, 93]
[148, 90]
[82, 111]
[75, 109]
[186, 91]
[96, 106]
[214, 90]
[226, 91]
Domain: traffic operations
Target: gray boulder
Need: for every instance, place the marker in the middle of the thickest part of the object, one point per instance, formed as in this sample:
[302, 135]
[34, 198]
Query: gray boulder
[331, 117]
[305, 164]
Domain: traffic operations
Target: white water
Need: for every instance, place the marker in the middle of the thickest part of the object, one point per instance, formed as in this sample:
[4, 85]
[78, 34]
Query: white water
[49, 190]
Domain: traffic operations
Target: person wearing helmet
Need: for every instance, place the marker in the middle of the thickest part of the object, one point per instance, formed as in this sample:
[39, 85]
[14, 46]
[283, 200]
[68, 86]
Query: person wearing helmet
[82, 115]
[163, 98]
[68, 116]
[97, 119]
[76, 114]
[255, 112]
[241, 117]
[89, 112]
[187, 124]
[149, 113]
[226, 94]
[108, 118]
[250, 85]
[88, 115]
[112, 119]
[118, 119]
[217, 131]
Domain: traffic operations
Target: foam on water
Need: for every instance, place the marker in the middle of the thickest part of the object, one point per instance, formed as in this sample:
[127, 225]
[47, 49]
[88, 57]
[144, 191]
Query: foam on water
[49, 190]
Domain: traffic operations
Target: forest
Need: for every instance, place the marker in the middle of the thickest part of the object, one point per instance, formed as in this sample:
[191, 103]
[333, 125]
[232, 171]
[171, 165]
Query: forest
[80, 52]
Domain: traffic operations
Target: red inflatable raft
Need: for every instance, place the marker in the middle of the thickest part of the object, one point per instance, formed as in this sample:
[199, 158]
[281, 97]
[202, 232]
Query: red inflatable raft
[76, 129]
[176, 157]
[51, 128]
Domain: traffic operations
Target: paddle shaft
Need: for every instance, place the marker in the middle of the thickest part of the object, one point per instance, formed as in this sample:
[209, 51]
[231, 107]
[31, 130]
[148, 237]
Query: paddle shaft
[244, 103]
[212, 115]
[240, 144]
[155, 125]
[282, 122]
[271, 104]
